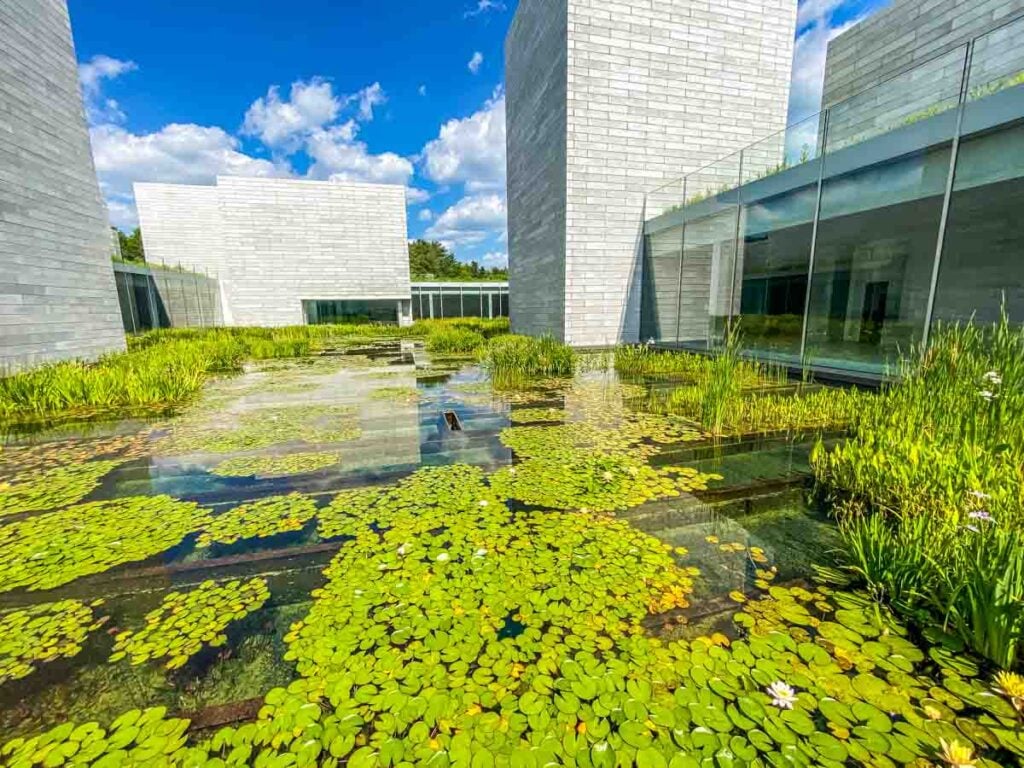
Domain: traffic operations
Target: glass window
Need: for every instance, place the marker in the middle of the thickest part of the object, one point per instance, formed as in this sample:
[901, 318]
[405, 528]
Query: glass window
[886, 165]
[451, 302]
[659, 306]
[983, 254]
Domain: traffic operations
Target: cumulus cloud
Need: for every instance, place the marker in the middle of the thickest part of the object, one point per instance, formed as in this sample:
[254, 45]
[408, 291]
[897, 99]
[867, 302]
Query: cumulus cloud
[471, 220]
[177, 153]
[470, 150]
[282, 124]
[475, 62]
[815, 29]
[483, 6]
[92, 74]
[416, 196]
[495, 259]
[369, 97]
[426, 215]
[338, 157]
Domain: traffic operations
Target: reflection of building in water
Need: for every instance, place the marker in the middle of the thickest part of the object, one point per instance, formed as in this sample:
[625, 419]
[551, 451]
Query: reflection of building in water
[903, 216]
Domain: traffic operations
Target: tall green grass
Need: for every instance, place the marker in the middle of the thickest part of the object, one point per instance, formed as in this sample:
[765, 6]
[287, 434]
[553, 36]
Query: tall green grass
[454, 341]
[167, 367]
[518, 360]
[935, 471]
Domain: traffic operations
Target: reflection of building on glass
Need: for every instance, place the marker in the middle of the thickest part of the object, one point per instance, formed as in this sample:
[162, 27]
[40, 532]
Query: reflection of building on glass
[440, 300]
[905, 213]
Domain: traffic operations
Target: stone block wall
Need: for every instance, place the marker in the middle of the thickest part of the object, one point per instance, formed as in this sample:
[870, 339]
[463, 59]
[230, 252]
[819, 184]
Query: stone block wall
[57, 295]
[281, 241]
[535, 100]
[655, 89]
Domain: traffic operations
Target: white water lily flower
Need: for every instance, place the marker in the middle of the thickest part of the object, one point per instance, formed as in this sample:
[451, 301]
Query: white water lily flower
[402, 550]
[480, 552]
[443, 557]
[608, 476]
[482, 503]
[358, 593]
[783, 696]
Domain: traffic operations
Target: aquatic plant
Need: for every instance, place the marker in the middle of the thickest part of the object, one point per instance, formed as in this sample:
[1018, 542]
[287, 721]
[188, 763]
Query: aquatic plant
[186, 621]
[42, 633]
[259, 519]
[138, 737]
[277, 465]
[721, 387]
[530, 415]
[938, 459]
[406, 395]
[517, 360]
[313, 424]
[454, 340]
[45, 551]
[34, 491]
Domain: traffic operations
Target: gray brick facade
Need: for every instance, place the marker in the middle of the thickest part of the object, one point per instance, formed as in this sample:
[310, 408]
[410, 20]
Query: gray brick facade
[272, 243]
[907, 61]
[57, 295]
[652, 89]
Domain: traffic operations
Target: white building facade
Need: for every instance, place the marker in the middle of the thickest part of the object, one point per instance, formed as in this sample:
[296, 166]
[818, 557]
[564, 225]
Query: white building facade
[285, 251]
[604, 102]
[57, 296]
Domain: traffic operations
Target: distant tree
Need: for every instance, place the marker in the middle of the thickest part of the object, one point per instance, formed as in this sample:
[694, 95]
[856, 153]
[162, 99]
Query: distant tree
[431, 260]
[131, 246]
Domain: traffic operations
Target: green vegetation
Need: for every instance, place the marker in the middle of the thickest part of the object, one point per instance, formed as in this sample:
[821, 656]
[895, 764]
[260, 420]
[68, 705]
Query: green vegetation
[277, 466]
[259, 519]
[518, 360]
[406, 395]
[186, 621]
[170, 367]
[454, 341]
[35, 490]
[430, 260]
[45, 551]
[131, 245]
[42, 633]
[934, 484]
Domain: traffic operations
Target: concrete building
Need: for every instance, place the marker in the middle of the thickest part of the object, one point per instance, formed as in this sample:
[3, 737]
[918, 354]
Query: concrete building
[905, 214]
[604, 101]
[285, 252]
[57, 296]
[907, 60]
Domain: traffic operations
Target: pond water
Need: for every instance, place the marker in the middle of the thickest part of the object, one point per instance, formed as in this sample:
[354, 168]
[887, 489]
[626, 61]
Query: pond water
[351, 512]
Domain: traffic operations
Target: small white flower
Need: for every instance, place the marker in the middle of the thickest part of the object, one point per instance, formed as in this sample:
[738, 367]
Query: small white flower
[987, 396]
[981, 514]
[608, 476]
[401, 551]
[972, 528]
[358, 593]
[482, 503]
[511, 470]
[979, 495]
[480, 552]
[443, 557]
[783, 696]
[993, 378]
[382, 567]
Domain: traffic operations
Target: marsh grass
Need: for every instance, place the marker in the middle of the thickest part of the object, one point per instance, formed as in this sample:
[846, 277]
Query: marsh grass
[519, 360]
[165, 368]
[454, 341]
[936, 468]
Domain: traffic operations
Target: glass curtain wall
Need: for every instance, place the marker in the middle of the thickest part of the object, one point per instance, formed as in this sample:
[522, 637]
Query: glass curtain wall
[485, 300]
[842, 241]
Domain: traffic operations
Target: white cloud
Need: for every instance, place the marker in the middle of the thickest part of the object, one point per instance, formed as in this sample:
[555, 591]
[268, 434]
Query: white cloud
[495, 259]
[475, 62]
[483, 6]
[422, 90]
[809, 53]
[426, 215]
[283, 124]
[92, 75]
[471, 220]
[336, 156]
[177, 153]
[416, 196]
[470, 150]
[368, 98]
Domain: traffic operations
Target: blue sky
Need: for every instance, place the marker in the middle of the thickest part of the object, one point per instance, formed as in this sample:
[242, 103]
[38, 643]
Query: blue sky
[181, 90]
